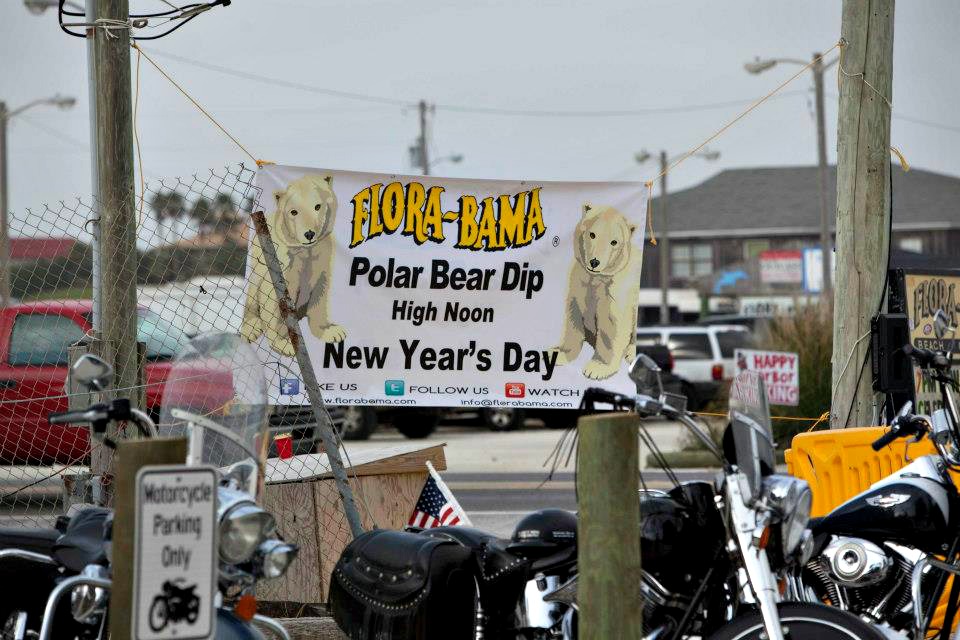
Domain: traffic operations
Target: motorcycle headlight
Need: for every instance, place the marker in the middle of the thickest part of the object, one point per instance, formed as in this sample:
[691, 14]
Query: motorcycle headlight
[275, 557]
[242, 528]
[791, 498]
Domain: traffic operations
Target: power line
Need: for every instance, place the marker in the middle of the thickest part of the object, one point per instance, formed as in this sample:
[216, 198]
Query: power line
[920, 121]
[54, 132]
[246, 75]
[613, 113]
[928, 123]
[546, 113]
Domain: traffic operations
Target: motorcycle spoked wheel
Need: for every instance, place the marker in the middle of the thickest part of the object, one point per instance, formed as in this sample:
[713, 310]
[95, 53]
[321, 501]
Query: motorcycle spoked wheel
[159, 614]
[802, 621]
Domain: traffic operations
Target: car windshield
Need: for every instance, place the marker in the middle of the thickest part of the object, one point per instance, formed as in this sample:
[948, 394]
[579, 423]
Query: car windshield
[162, 338]
[730, 341]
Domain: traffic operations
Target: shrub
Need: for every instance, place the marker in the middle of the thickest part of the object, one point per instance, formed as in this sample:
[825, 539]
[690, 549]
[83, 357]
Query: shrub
[809, 334]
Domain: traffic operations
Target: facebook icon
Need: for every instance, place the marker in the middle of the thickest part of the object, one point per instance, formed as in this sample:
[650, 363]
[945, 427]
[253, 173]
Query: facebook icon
[289, 386]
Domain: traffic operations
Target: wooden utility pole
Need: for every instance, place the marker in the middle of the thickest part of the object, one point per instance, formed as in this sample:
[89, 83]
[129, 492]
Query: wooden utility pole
[826, 240]
[609, 527]
[663, 244]
[4, 212]
[117, 194]
[423, 154]
[117, 342]
[863, 200]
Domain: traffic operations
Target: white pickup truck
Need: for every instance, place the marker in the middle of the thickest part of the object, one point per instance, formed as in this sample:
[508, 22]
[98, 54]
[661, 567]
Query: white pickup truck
[703, 356]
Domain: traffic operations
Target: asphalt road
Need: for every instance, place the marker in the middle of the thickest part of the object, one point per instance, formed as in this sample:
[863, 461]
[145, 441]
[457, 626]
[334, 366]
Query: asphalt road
[498, 477]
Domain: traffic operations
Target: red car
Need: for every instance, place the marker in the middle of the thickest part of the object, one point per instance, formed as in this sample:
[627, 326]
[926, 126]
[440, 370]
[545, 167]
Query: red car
[34, 338]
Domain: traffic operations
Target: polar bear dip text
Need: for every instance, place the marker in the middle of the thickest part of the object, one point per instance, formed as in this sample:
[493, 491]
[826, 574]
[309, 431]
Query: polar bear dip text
[602, 294]
[300, 227]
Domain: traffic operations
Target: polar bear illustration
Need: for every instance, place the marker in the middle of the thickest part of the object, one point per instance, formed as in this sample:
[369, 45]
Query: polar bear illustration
[602, 294]
[301, 229]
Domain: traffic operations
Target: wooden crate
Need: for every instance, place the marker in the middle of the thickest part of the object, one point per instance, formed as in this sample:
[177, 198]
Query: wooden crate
[302, 495]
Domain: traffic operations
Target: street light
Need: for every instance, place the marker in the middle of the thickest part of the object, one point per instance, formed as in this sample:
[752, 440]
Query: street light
[37, 7]
[62, 102]
[663, 242]
[758, 66]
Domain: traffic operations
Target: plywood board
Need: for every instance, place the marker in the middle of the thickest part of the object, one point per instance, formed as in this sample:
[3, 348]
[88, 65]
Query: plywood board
[316, 466]
[293, 506]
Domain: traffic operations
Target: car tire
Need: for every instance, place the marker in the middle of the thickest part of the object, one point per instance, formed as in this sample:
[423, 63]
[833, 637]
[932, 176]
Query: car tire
[358, 423]
[503, 418]
[416, 424]
[560, 418]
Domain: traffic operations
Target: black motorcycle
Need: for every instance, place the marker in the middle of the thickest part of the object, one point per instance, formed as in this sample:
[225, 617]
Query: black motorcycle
[63, 575]
[713, 555]
[886, 553]
[174, 604]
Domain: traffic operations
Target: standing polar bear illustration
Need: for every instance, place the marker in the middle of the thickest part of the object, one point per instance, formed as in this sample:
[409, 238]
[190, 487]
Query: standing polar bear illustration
[301, 227]
[602, 294]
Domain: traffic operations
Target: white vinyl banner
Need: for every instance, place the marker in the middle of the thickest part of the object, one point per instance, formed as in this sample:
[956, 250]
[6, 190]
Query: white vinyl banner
[449, 292]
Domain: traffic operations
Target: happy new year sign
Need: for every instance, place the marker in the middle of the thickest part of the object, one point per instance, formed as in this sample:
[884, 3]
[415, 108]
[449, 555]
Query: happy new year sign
[780, 372]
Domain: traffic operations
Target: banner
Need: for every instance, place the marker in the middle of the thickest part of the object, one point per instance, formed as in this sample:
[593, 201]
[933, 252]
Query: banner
[427, 291]
[780, 372]
[925, 294]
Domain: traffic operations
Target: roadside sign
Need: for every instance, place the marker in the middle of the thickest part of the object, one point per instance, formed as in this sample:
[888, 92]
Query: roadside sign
[780, 372]
[175, 553]
[783, 266]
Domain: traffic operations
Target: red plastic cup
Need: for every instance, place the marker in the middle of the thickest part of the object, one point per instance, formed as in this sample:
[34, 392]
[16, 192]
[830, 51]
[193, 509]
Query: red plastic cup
[284, 442]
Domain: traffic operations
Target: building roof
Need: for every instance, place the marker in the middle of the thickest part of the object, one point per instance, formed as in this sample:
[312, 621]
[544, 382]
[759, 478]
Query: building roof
[785, 200]
[40, 248]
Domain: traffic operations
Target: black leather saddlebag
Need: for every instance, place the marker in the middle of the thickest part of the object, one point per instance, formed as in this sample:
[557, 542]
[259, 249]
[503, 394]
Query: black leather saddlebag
[393, 585]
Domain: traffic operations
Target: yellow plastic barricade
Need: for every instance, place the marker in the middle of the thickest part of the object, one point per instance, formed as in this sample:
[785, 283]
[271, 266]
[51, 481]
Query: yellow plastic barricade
[840, 463]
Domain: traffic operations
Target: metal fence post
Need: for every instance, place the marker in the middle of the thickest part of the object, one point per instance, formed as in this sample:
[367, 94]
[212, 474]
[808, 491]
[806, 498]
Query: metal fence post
[306, 371]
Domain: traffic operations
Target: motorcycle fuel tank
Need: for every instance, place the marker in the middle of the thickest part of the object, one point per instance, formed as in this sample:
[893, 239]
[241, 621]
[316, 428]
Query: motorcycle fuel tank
[678, 543]
[911, 506]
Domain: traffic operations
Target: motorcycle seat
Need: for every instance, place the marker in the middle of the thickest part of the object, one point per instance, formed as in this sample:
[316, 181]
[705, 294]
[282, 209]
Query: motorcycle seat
[558, 562]
[33, 540]
[85, 540]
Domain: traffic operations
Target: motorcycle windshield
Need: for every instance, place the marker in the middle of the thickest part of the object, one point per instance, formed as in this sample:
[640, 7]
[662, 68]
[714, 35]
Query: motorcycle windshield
[215, 395]
[750, 429]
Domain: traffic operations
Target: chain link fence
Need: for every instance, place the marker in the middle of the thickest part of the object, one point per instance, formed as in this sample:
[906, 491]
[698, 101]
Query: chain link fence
[190, 263]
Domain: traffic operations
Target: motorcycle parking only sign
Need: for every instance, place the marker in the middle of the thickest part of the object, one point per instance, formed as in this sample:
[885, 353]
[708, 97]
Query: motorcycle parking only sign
[175, 553]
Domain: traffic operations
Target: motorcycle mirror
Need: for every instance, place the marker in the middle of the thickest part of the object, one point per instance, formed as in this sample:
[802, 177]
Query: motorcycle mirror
[92, 373]
[646, 375]
[941, 325]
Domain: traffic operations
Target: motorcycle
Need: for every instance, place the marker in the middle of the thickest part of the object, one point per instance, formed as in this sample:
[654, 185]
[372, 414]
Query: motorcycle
[711, 555]
[886, 553]
[215, 395]
[176, 603]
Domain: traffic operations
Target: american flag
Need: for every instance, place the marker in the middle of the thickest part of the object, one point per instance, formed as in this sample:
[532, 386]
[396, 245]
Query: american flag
[437, 507]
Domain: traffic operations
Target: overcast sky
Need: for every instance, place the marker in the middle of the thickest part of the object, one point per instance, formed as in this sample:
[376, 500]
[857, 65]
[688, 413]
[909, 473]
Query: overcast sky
[547, 55]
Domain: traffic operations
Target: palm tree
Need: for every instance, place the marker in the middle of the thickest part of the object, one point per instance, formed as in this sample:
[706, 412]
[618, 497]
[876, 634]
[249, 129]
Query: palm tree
[225, 212]
[167, 206]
